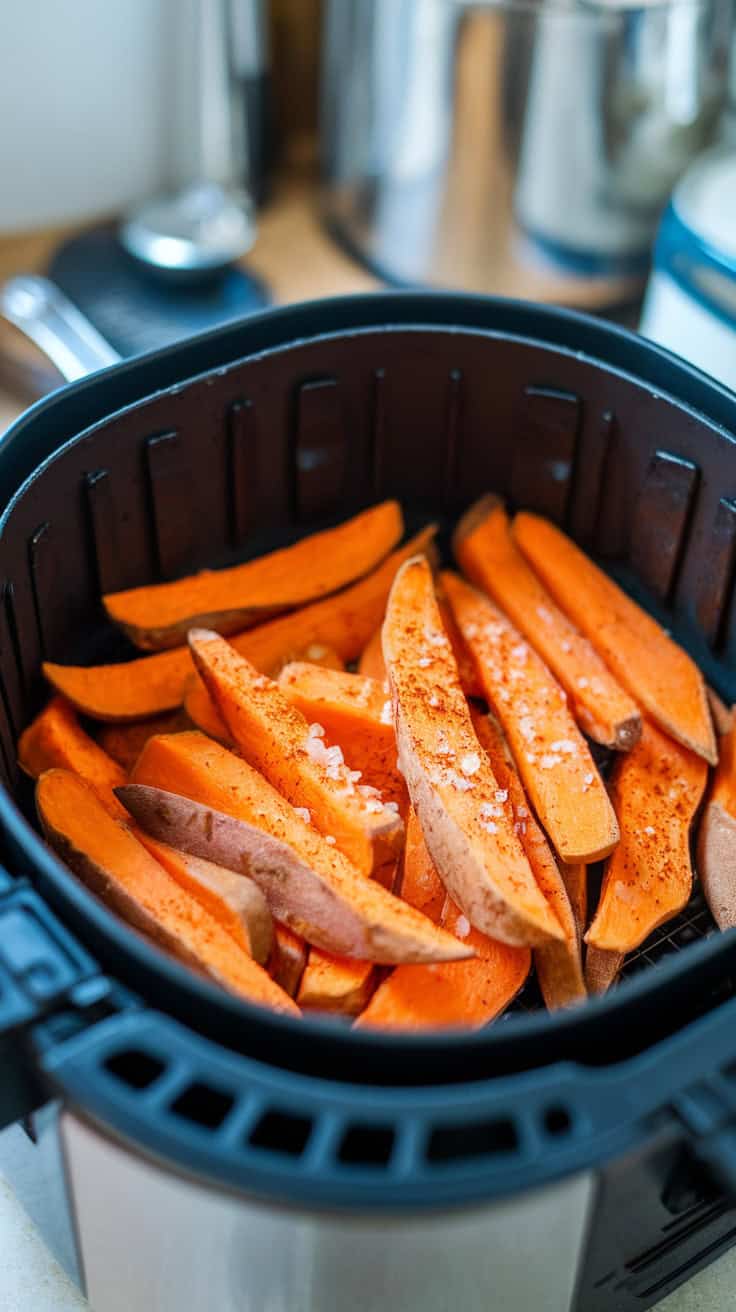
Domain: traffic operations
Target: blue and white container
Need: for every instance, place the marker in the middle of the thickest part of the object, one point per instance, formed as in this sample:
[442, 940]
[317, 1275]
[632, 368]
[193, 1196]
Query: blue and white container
[690, 305]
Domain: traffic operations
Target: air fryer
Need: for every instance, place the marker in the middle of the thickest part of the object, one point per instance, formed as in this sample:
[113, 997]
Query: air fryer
[215, 1155]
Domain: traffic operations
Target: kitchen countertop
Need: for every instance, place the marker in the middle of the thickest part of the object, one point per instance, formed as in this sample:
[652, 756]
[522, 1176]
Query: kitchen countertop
[298, 261]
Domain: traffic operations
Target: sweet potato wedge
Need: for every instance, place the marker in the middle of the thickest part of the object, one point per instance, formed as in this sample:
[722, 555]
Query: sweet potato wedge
[466, 668]
[125, 742]
[656, 790]
[656, 671]
[488, 555]
[551, 755]
[341, 985]
[717, 838]
[57, 739]
[355, 713]
[150, 685]
[558, 964]
[233, 900]
[107, 857]
[371, 663]
[427, 997]
[230, 600]
[273, 735]
[288, 958]
[477, 852]
[222, 809]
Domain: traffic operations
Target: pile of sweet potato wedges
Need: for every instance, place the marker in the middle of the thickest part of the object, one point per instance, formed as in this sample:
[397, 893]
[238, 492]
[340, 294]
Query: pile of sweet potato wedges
[343, 780]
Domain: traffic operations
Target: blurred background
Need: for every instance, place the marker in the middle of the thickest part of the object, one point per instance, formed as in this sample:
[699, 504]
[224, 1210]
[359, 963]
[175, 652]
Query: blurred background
[169, 164]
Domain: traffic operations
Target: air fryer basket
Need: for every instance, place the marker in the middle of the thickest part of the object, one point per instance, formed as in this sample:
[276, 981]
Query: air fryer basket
[240, 441]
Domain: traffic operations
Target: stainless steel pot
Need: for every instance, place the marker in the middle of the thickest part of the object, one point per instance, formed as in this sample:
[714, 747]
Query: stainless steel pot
[523, 147]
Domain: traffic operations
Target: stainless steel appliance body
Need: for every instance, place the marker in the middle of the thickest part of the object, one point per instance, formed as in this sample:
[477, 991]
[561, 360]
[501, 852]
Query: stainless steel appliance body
[525, 147]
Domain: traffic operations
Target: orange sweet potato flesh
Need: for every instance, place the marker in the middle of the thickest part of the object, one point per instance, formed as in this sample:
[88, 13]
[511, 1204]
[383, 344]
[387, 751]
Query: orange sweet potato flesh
[233, 900]
[717, 837]
[558, 964]
[203, 713]
[125, 742]
[468, 994]
[273, 735]
[57, 739]
[661, 677]
[150, 685]
[108, 858]
[230, 600]
[488, 555]
[468, 674]
[288, 959]
[355, 712]
[197, 796]
[551, 755]
[451, 784]
[656, 789]
[340, 985]
[371, 663]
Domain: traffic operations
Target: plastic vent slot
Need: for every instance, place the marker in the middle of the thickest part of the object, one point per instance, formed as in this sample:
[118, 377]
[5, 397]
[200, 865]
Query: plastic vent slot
[367, 1145]
[280, 1132]
[203, 1105]
[448, 1143]
[139, 1070]
[557, 1121]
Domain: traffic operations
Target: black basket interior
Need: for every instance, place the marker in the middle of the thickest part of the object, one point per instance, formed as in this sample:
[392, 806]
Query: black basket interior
[254, 454]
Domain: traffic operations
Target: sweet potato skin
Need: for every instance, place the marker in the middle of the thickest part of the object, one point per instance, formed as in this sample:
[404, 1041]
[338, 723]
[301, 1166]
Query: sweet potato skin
[231, 600]
[326, 911]
[717, 863]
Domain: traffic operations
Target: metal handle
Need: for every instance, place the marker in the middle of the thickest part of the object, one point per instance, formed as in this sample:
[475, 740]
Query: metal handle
[43, 313]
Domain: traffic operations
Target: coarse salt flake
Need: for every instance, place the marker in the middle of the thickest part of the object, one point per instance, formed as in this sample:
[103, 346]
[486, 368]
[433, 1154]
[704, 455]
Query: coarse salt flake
[583, 682]
[386, 713]
[470, 763]
[587, 781]
[367, 790]
[490, 826]
[566, 645]
[526, 728]
[462, 927]
[434, 701]
[316, 731]
[519, 652]
[458, 782]
[373, 806]
[550, 760]
[424, 661]
[303, 814]
[544, 614]
[502, 794]
[329, 838]
[565, 745]
[335, 756]
[650, 830]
